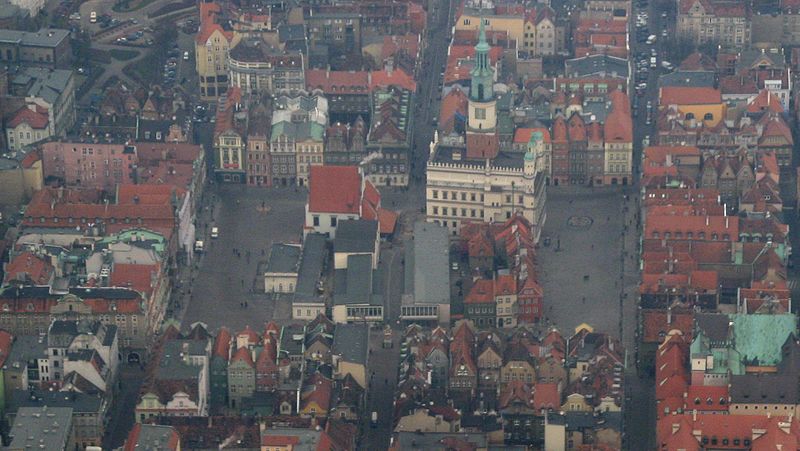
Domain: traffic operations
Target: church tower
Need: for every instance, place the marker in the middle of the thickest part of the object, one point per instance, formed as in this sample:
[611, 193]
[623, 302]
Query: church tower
[482, 140]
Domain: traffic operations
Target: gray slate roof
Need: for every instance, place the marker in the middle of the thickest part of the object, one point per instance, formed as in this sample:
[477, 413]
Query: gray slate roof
[153, 437]
[284, 258]
[766, 388]
[41, 428]
[350, 341]
[311, 266]
[358, 284]
[596, 65]
[77, 401]
[46, 37]
[355, 235]
[427, 264]
[688, 79]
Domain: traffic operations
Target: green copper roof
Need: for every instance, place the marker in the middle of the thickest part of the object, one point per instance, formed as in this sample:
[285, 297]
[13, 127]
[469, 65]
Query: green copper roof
[759, 337]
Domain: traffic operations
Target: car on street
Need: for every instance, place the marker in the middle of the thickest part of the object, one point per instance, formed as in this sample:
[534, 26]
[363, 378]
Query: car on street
[186, 56]
[215, 232]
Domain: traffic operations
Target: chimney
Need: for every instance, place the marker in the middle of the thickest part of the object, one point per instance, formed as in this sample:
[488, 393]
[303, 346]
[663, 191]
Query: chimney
[694, 415]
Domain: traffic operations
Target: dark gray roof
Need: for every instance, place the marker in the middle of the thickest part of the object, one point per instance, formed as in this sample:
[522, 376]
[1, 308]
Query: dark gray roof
[579, 420]
[432, 441]
[714, 325]
[289, 342]
[350, 342]
[311, 266]
[288, 32]
[41, 428]
[24, 349]
[427, 264]
[354, 284]
[355, 235]
[283, 258]
[153, 437]
[46, 37]
[79, 402]
[594, 65]
[173, 366]
[688, 79]
[766, 388]
[445, 154]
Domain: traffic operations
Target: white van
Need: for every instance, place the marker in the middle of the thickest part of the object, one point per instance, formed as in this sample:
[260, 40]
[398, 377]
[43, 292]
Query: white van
[93, 17]
[199, 246]
[651, 39]
[215, 232]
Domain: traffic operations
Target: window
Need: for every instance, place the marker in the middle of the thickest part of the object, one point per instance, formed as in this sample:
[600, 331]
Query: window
[333, 221]
[435, 194]
[316, 221]
[708, 117]
[480, 113]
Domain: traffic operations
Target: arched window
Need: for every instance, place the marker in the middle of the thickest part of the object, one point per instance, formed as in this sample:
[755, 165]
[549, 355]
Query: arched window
[708, 117]
[689, 116]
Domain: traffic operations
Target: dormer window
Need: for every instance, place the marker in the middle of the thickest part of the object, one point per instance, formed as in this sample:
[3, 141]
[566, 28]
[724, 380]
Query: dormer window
[6, 308]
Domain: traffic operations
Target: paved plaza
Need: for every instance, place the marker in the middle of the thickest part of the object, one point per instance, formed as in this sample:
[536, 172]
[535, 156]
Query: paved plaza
[580, 270]
[249, 221]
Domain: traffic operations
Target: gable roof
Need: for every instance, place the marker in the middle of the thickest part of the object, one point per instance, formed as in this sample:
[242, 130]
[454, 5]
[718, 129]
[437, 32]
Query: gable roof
[673, 95]
[36, 118]
[334, 189]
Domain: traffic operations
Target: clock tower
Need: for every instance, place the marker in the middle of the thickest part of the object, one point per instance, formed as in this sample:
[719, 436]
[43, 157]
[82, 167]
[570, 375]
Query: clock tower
[482, 140]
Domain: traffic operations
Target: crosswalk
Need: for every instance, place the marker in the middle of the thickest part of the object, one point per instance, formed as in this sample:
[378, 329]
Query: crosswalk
[791, 284]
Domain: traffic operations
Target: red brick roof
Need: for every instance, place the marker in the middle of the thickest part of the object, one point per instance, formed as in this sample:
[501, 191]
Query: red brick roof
[677, 95]
[455, 101]
[698, 62]
[482, 145]
[334, 189]
[37, 119]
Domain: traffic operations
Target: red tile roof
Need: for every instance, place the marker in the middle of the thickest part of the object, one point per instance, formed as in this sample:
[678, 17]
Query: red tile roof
[618, 127]
[222, 344]
[546, 396]
[455, 102]
[396, 77]
[523, 135]
[208, 23]
[37, 119]
[704, 398]
[677, 95]
[334, 189]
[657, 226]
[698, 62]
[57, 214]
[482, 292]
[33, 269]
[338, 82]
[765, 101]
[657, 323]
[243, 354]
[685, 431]
[135, 277]
[280, 440]
[6, 340]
